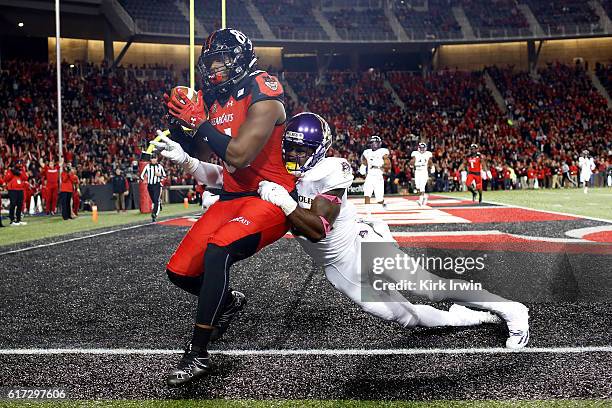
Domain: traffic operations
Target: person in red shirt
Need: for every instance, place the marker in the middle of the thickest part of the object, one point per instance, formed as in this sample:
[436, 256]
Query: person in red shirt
[240, 116]
[531, 177]
[50, 175]
[76, 195]
[69, 179]
[1, 187]
[474, 177]
[15, 179]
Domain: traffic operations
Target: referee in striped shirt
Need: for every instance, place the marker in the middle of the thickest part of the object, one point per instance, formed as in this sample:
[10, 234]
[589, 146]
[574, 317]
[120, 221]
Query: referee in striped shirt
[154, 174]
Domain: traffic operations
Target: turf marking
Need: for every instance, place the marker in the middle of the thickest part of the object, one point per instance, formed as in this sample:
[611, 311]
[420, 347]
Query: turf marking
[314, 352]
[79, 238]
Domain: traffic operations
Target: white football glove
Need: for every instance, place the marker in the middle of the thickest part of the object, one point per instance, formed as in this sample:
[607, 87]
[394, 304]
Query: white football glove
[277, 195]
[170, 149]
[363, 169]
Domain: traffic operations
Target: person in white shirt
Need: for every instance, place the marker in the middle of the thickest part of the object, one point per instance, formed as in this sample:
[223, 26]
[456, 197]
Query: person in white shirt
[422, 164]
[374, 162]
[327, 227]
[586, 165]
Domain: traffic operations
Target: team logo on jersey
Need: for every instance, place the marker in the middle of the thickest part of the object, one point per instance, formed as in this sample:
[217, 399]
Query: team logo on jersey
[363, 233]
[240, 93]
[241, 220]
[270, 82]
[225, 118]
[346, 169]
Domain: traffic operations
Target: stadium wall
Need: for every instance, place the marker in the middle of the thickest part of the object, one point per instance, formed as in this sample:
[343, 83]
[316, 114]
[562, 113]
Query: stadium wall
[146, 53]
[471, 57]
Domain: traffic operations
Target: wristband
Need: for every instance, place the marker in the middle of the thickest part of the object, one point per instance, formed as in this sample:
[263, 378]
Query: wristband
[216, 140]
[326, 225]
[288, 207]
[190, 164]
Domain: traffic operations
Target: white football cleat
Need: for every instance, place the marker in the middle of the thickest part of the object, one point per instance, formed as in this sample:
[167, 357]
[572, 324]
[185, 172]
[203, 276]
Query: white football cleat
[518, 326]
[474, 317]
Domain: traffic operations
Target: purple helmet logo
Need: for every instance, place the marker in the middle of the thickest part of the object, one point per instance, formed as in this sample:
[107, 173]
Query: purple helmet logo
[307, 137]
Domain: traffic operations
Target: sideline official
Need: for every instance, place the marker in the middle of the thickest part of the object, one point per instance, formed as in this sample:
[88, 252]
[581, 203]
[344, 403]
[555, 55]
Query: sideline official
[154, 173]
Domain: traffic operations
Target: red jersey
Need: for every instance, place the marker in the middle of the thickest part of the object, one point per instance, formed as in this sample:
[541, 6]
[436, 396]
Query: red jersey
[51, 175]
[228, 114]
[16, 182]
[474, 165]
[68, 181]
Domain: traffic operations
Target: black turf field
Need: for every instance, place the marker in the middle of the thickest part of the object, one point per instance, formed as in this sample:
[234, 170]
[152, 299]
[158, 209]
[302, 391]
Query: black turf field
[111, 292]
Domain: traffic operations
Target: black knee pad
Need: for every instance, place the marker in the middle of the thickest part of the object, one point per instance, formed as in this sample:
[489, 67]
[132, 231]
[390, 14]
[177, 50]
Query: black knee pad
[187, 283]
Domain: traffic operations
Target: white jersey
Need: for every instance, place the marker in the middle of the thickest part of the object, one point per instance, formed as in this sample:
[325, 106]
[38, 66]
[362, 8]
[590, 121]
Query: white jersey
[587, 165]
[375, 159]
[329, 174]
[421, 160]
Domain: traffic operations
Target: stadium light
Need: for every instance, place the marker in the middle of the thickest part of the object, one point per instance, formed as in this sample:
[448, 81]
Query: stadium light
[20, 24]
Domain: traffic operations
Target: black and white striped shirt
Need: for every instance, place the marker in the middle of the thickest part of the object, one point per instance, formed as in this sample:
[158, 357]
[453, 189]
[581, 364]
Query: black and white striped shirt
[154, 173]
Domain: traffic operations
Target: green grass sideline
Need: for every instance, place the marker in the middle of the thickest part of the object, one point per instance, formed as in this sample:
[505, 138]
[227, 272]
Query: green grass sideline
[39, 227]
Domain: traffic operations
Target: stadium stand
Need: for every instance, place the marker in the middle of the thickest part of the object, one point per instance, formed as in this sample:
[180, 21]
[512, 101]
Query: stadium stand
[604, 73]
[157, 16]
[109, 114]
[361, 24]
[291, 19]
[209, 13]
[437, 22]
[499, 18]
[565, 16]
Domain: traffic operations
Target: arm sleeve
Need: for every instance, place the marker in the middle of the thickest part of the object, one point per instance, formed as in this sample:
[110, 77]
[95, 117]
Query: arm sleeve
[163, 171]
[208, 174]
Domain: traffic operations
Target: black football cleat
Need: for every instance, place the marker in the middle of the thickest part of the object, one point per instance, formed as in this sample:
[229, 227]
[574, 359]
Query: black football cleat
[229, 312]
[194, 365]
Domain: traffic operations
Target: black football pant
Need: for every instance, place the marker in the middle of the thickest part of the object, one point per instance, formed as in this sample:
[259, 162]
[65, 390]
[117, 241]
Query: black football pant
[65, 204]
[155, 194]
[16, 204]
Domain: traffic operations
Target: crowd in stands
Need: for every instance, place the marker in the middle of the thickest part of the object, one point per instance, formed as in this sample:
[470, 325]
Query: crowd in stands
[550, 120]
[604, 73]
[110, 114]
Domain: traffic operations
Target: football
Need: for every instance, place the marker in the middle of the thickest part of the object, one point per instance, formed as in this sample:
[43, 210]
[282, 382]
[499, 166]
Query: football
[191, 93]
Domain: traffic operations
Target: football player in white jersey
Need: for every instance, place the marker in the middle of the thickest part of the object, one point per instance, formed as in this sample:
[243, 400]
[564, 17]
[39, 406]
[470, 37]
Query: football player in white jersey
[586, 165]
[421, 162]
[374, 162]
[327, 227]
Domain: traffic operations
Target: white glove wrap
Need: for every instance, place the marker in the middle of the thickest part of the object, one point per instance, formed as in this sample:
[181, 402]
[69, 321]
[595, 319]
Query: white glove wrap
[277, 195]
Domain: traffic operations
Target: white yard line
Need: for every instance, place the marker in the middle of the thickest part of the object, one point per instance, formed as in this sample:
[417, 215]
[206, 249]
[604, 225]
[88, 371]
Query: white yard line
[548, 211]
[314, 352]
[80, 238]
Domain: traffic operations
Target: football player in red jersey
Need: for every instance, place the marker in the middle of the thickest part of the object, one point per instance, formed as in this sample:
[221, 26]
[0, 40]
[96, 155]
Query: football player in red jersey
[240, 115]
[475, 165]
